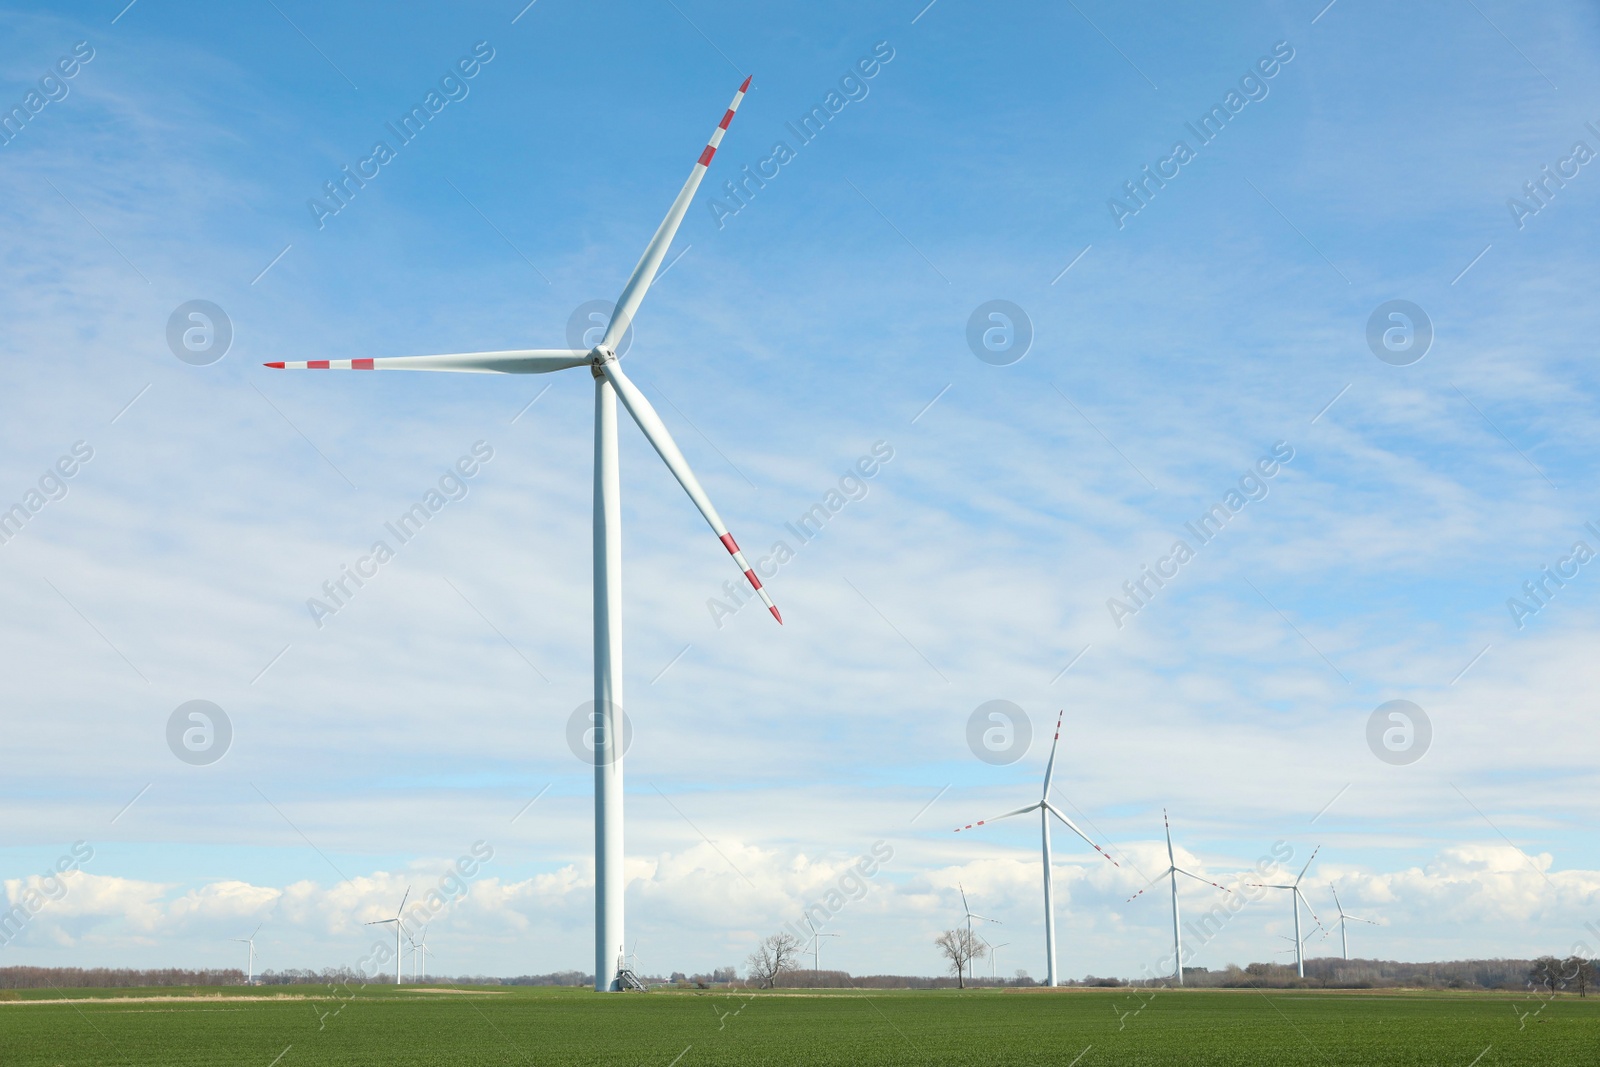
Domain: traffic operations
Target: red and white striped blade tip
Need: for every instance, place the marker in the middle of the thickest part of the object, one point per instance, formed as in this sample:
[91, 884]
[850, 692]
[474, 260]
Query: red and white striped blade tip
[755, 583]
[323, 364]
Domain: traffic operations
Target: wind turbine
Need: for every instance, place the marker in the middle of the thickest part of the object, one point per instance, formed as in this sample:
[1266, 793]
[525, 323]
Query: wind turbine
[610, 383]
[399, 927]
[1284, 951]
[250, 972]
[994, 953]
[970, 916]
[419, 956]
[1344, 937]
[1173, 870]
[1045, 810]
[1295, 897]
[816, 947]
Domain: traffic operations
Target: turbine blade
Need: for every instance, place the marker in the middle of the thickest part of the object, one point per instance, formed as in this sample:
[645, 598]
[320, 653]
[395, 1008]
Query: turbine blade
[403, 900]
[964, 906]
[1050, 768]
[1167, 825]
[1336, 903]
[1309, 908]
[1207, 881]
[1148, 884]
[1307, 867]
[656, 432]
[997, 818]
[1053, 810]
[515, 361]
[645, 272]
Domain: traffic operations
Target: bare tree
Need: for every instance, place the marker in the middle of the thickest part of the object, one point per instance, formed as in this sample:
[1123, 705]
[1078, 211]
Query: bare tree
[1547, 975]
[773, 957]
[960, 948]
[1580, 972]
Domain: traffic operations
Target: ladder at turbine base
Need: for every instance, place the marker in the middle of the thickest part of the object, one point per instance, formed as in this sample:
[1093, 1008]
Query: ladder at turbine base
[628, 982]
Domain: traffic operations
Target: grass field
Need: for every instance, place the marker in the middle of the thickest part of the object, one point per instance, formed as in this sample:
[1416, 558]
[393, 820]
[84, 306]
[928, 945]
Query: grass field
[304, 1026]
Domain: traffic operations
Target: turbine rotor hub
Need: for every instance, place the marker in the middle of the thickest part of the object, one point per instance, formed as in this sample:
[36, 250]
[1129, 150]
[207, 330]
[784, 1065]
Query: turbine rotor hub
[599, 355]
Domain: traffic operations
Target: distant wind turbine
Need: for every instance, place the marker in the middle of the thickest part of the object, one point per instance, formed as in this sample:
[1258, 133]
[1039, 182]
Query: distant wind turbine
[1173, 870]
[399, 928]
[994, 954]
[972, 914]
[250, 971]
[609, 385]
[1045, 810]
[1344, 937]
[816, 946]
[419, 955]
[1295, 897]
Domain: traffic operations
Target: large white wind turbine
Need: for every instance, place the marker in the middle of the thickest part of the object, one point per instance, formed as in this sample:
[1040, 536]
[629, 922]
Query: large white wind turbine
[610, 383]
[399, 929]
[1344, 917]
[1173, 870]
[1295, 897]
[250, 972]
[1045, 810]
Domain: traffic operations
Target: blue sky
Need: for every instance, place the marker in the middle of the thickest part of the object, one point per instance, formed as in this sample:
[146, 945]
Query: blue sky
[1229, 314]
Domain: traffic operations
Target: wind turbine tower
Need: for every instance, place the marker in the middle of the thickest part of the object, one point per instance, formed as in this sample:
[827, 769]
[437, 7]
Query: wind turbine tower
[1295, 897]
[1344, 917]
[1172, 871]
[399, 929]
[250, 970]
[1045, 810]
[816, 946]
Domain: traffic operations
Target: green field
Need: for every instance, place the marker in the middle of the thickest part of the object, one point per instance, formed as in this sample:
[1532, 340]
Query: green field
[304, 1026]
